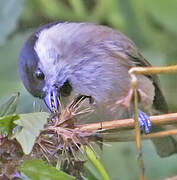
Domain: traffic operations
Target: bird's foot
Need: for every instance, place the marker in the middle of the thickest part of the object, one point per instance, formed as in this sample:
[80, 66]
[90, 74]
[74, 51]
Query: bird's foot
[143, 118]
[144, 122]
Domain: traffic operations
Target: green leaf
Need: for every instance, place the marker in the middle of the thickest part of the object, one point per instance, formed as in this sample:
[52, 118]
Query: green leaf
[37, 170]
[91, 172]
[32, 124]
[10, 106]
[9, 14]
[7, 123]
[97, 164]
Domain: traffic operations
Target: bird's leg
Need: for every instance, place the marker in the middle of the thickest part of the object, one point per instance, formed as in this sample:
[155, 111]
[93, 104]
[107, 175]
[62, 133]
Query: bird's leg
[143, 118]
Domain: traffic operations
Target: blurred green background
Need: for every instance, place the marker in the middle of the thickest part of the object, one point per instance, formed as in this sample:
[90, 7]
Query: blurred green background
[151, 24]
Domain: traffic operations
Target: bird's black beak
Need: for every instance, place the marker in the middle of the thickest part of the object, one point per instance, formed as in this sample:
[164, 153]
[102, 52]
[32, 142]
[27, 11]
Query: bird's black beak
[52, 100]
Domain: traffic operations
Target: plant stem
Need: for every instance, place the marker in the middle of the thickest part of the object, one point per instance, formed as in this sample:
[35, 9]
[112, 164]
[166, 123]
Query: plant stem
[134, 83]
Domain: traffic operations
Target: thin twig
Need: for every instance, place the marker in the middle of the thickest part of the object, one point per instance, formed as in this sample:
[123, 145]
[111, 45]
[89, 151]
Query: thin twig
[134, 84]
[154, 70]
[112, 137]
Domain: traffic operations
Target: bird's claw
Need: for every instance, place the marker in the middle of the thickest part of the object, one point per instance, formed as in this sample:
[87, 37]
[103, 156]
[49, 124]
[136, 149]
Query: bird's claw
[144, 122]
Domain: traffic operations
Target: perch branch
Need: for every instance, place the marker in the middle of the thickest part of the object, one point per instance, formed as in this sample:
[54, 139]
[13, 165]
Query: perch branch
[153, 70]
[165, 119]
[131, 137]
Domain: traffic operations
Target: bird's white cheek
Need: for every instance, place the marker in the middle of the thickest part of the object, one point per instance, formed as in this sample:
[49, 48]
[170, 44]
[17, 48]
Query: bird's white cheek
[47, 51]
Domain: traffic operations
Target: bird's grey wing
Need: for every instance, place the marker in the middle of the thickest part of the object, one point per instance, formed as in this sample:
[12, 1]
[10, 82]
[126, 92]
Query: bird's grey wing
[159, 99]
[125, 50]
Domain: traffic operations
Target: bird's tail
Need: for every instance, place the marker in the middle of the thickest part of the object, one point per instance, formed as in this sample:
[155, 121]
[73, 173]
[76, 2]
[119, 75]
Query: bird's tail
[165, 146]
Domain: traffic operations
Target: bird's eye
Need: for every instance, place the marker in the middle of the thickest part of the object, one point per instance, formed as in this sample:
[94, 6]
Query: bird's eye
[39, 74]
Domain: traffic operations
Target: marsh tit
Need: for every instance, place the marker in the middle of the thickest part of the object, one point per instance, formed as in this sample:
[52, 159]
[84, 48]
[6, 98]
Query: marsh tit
[90, 60]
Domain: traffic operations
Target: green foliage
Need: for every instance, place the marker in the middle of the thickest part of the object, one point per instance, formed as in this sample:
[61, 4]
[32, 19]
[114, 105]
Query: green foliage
[53, 9]
[94, 168]
[9, 14]
[32, 124]
[97, 164]
[91, 172]
[151, 25]
[7, 116]
[78, 8]
[7, 124]
[37, 170]
[165, 14]
[10, 106]
[9, 55]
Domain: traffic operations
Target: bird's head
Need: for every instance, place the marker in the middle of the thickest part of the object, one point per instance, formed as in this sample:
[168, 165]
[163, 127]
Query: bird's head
[64, 56]
[41, 69]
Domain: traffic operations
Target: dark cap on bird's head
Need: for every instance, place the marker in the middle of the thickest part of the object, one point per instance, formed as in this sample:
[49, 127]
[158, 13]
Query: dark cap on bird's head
[32, 79]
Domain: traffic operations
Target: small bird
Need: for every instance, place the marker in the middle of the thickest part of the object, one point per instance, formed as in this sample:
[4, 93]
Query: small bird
[91, 60]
